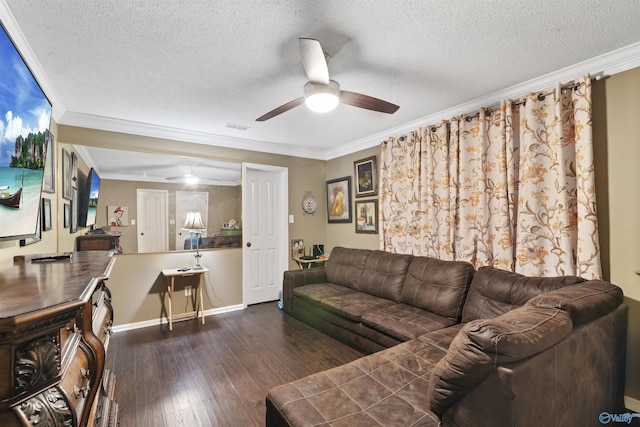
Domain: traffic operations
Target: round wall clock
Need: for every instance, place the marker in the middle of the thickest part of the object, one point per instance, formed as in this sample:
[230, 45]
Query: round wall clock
[309, 203]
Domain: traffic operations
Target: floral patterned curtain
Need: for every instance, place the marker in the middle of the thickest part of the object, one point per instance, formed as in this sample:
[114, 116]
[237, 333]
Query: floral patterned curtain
[511, 187]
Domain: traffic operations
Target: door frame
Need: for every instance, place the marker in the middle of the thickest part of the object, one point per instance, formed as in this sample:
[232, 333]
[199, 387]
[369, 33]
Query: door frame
[282, 205]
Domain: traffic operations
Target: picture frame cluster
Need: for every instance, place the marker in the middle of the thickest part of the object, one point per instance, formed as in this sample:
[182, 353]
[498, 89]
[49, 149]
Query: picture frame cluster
[339, 204]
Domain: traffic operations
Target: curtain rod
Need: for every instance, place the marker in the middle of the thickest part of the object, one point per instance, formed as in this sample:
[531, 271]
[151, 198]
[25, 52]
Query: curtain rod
[489, 110]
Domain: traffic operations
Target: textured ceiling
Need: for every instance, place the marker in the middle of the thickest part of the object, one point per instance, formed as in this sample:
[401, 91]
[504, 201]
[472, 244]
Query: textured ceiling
[189, 69]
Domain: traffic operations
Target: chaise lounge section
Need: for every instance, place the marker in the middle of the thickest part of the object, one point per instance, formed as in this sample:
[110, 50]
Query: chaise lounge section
[454, 347]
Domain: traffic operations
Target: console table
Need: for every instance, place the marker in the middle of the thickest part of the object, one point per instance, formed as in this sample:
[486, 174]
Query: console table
[55, 324]
[310, 263]
[171, 275]
[99, 242]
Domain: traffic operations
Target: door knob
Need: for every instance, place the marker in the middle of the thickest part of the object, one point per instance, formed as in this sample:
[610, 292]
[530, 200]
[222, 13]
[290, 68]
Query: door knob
[248, 244]
[142, 234]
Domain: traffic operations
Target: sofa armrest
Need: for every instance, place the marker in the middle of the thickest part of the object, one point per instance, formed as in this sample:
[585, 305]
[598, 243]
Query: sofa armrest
[296, 278]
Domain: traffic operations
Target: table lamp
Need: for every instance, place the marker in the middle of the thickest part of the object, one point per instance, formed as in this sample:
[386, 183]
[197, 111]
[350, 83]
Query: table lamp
[194, 225]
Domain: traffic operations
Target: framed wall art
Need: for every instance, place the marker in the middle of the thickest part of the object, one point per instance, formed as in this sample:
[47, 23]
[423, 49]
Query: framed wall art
[367, 216]
[339, 200]
[73, 226]
[67, 215]
[46, 214]
[74, 170]
[118, 216]
[66, 174]
[366, 174]
[49, 180]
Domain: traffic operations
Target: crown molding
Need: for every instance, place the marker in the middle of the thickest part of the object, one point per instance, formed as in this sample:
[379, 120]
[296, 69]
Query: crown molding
[109, 124]
[605, 65]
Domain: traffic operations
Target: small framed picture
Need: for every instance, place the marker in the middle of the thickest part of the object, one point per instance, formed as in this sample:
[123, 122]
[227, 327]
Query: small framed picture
[367, 216]
[118, 216]
[297, 248]
[66, 174]
[67, 215]
[339, 200]
[366, 173]
[73, 226]
[46, 214]
[74, 170]
[49, 181]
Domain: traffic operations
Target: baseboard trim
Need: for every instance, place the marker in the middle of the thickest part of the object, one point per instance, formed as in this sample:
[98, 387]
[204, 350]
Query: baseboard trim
[163, 320]
[632, 404]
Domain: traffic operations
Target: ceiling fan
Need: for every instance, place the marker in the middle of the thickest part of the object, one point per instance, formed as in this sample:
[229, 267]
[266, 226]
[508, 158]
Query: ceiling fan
[191, 177]
[322, 94]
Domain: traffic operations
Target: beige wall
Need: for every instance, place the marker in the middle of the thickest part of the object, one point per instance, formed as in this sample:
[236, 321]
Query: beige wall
[617, 153]
[138, 288]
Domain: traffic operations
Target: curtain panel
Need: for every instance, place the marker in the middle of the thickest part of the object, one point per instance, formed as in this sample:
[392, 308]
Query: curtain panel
[511, 187]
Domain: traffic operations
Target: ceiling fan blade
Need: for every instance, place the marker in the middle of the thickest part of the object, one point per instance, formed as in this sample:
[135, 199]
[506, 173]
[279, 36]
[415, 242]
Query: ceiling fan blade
[281, 109]
[368, 102]
[313, 60]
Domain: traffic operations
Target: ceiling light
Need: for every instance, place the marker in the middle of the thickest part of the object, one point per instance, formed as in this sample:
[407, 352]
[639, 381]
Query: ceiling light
[321, 98]
[191, 179]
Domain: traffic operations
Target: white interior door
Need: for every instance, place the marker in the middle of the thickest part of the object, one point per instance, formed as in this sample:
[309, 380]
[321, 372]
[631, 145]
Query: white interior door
[190, 201]
[153, 229]
[265, 231]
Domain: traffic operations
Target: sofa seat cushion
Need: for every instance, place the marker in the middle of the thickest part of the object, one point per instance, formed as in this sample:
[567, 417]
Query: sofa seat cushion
[437, 286]
[321, 291]
[354, 305]
[404, 322]
[494, 292]
[386, 388]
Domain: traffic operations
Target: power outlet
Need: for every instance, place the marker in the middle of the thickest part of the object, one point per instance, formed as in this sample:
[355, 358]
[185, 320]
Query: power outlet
[187, 291]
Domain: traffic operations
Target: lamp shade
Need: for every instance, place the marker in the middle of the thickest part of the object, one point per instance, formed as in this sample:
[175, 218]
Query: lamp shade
[193, 222]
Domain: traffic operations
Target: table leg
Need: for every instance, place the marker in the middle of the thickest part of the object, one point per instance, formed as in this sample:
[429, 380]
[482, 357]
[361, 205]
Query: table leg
[200, 292]
[170, 292]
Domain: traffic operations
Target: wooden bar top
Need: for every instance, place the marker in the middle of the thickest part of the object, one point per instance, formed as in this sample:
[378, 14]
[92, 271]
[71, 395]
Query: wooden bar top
[55, 285]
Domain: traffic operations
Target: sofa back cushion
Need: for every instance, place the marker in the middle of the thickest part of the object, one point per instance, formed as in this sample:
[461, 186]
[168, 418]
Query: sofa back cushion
[584, 301]
[483, 344]
[437, 286]
[384, 273]
[494, 292]
[345, 266]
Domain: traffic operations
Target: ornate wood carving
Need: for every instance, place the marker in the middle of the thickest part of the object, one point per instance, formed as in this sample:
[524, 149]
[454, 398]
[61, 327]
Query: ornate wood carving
[36, 362]
[14, 335]
[48, 409]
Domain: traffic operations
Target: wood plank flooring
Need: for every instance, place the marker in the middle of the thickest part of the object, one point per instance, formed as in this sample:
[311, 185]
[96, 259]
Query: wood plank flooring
[216, 374]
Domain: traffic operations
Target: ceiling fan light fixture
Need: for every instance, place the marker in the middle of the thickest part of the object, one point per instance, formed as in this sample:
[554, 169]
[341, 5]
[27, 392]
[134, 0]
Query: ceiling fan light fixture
[191, 179]
[321, 98]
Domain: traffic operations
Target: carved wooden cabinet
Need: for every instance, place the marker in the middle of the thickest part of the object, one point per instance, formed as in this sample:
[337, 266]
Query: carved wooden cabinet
[55, 324]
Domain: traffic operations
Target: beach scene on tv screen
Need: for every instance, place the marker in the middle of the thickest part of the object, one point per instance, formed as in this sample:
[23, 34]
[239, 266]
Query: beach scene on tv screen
[25, 115]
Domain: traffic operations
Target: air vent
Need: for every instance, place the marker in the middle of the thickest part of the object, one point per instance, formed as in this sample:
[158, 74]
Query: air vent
[238, 127]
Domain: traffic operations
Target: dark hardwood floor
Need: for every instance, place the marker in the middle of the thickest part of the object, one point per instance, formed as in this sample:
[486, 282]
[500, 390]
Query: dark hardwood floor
[216, 374]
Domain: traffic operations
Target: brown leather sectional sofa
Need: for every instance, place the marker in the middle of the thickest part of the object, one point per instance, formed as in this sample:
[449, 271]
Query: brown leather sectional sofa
[453, 346]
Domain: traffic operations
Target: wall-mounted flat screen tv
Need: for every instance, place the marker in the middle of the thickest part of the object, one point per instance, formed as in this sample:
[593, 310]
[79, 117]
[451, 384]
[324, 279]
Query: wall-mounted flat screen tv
[89, 200]
[25, 116]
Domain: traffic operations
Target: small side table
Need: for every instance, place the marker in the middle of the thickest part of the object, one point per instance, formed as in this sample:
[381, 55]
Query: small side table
[310, 263]
[171, 275]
